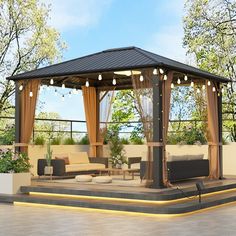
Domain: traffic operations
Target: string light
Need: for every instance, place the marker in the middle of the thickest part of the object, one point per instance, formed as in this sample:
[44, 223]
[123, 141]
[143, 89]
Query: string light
[222, 90]
[229, 85]
[161, 71]
[213, 89]
[155, 71]
[178, 81]
[198, 90]
[165, 77]
[87, 83]
[100, 77]
[185, 77]
[51, 81]
[114, 81]
[192, 84]
[31, 94]
[209, 83]
[63, 97]
[203, 87]
[12, 83]
[21, 87]
[172, 85]
[63, 86]
[141, 78]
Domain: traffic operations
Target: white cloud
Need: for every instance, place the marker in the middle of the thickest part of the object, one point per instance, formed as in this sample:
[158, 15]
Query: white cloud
[69, 14]
[168, 43]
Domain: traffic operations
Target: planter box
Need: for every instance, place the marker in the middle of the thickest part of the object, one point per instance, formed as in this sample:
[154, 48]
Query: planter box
[10, 183]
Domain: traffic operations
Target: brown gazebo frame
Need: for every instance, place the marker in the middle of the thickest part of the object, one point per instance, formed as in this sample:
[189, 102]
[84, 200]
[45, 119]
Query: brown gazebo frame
[75, 73]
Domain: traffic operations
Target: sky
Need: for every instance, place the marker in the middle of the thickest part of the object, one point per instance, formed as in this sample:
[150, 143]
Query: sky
[89, 26]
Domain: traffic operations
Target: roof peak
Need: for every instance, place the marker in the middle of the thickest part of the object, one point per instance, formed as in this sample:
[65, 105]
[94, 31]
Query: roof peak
[119, 49]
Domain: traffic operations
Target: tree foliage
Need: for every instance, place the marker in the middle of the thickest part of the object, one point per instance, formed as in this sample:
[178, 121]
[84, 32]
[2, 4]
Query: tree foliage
[210, 36]
[26, 42]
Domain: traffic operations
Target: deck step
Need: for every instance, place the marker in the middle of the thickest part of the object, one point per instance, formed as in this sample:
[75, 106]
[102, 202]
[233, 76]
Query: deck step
[128, 206]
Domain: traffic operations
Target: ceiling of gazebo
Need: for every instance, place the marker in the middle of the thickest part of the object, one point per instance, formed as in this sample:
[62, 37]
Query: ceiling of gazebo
[75, 73]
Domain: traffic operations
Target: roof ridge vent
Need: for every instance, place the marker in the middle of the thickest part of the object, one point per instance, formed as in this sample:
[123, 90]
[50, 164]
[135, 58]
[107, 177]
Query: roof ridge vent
[119, 49]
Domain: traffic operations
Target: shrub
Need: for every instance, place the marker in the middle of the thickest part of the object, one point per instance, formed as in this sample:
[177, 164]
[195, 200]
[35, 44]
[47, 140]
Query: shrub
[56, 141]
[84, 140]
[8, 136]
[39, 140]
[137, 140]
[125, 141]
[69, 141]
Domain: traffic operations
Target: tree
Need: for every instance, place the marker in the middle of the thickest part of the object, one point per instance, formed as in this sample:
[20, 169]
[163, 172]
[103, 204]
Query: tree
[210, 36]
[26, 42]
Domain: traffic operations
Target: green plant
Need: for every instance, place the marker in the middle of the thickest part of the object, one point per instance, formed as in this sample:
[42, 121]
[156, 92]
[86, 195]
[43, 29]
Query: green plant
[69, 141]
[49, 154]
[39, 140]
[11, 162]
[117, 152]
[7, 137]
[84, 140]
[125, 141]
[56, 141]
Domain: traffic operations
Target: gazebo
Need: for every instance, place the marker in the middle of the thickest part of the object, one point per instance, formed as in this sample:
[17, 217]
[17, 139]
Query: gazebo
[150, 75]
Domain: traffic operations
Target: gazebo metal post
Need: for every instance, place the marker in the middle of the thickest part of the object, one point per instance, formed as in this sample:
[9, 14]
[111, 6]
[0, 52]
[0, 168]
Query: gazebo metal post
[157, 133]
[220, 132]
[17, 115]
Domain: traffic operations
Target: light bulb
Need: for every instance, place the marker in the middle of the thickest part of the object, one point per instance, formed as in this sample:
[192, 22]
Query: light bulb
[141, 78]
[178, 81]
[31, 94]
[100, 77]
[55, 92]
[213, 89]
[229, 85]
[114, 81]
[192, 84]
[203, 87]
[87, 83]
[185, 77]
[155, 71]
[172, 85]
[12, 83]
[198, 90]
[161, 71]
[51, 81]
[222, 90]
[63, 98]
[63, 86]
[209, 83]
[21, 87]
[165, 77]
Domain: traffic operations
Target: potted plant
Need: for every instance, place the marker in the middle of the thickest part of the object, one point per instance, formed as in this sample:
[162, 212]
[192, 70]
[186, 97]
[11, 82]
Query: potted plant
[14, 171]
[48, 170]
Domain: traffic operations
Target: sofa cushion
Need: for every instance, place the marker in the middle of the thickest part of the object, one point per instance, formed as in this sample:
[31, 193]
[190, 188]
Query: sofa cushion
[83, 178]
[177, 158]
[78, 158]
[65, 158]
[84, 167]
[196, 157]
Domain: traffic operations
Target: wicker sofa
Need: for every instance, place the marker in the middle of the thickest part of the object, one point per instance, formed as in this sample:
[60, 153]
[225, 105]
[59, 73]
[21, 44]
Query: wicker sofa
[73, 163]
[182, 167]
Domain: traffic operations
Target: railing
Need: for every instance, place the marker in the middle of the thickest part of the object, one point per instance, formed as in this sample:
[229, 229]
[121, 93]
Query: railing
[70, 130]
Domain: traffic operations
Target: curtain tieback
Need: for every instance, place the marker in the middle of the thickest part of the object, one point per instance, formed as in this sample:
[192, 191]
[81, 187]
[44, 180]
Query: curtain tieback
[155, 144]
[97, 144]
[214, 144]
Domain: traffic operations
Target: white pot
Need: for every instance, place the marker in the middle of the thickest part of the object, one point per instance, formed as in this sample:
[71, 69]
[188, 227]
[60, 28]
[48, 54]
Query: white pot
[48, 170]
[10, 183]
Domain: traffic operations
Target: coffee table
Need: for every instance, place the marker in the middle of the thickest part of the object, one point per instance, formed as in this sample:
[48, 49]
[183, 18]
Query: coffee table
[111, 171]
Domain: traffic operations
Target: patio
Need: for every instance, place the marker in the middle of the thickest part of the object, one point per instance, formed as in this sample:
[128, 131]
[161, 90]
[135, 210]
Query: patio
[151, 77]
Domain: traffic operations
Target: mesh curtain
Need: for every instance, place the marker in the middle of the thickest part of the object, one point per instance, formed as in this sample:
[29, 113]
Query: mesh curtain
[105, 111]
[144, 97]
